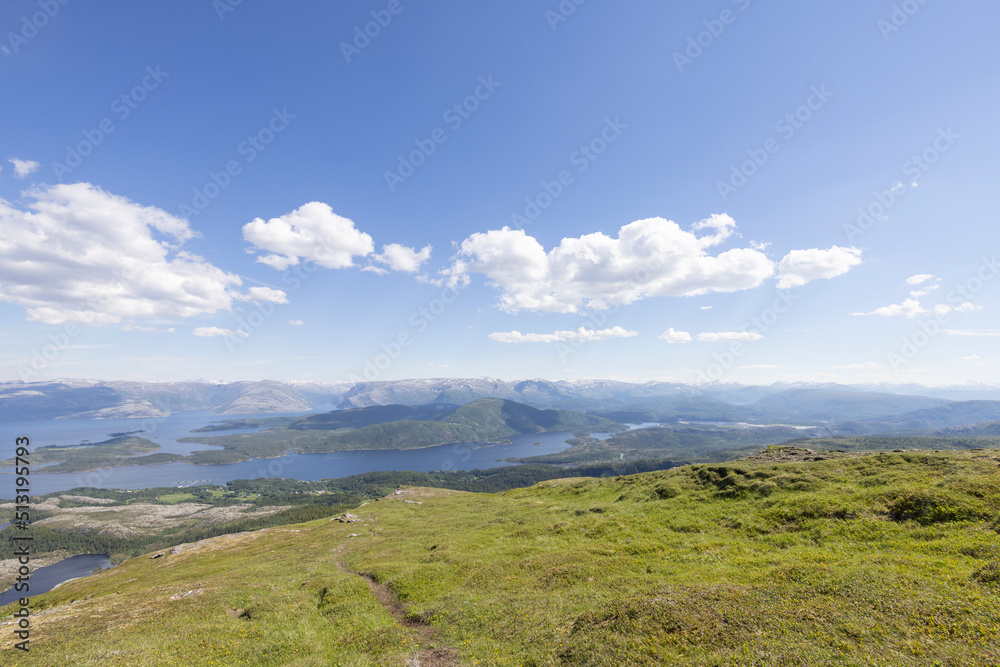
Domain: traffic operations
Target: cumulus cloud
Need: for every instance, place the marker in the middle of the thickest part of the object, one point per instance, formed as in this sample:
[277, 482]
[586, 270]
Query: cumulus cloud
[401, 258]
[917, 293]
[81, 254]
[673, 336]
[265, 295]
[311, 232]
[729, 336]
[581, 334]
[909, 308]
[919, 278]
[208, 332]
[24, 168]
[651, 257]
[803, 266]
[296, 323]
[967, 307]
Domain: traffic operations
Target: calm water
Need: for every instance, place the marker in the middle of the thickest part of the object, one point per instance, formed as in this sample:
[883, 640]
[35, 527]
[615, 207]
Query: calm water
[166, 431]
[44, 579]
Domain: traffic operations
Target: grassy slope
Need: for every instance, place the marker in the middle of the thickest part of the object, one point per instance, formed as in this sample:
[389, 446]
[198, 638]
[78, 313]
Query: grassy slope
[883, 559]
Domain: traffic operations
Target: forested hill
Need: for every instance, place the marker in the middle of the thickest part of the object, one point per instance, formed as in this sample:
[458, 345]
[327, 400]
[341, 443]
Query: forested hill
[489, 419]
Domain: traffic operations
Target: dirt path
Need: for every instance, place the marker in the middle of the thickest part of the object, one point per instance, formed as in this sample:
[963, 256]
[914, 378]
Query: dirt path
[427, 655]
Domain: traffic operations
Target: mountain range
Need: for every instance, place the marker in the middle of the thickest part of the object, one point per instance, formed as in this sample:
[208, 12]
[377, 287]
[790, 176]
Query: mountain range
[866, 408]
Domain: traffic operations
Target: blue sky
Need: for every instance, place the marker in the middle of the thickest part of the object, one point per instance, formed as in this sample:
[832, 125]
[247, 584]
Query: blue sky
[719, 191]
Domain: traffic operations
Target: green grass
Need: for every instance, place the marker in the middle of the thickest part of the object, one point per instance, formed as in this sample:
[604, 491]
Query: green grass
[174, 498]
[788, 558]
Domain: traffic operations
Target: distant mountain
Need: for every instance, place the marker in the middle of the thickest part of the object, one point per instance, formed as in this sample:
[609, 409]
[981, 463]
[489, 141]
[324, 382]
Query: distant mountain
[376, 414]
[830, 405]
[484, 419]
[94, 399]
[796, 403]
[37, 401]
[990, 428]
[945, 416]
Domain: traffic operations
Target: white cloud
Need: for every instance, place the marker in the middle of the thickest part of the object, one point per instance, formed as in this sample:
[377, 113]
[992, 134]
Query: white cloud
[919, 278]
[652, 257]
[82, 254]
[728, 336]
[401, 258]
[296, 323]
[24, 168]
[924, 291]
[966, 307]
[759, 366]
[803, 266]
[673, 336]
[971, 357]
[311, 232]
[706, 308]
[909, 308]
[208, 332]
[581, 334]
[265, 294]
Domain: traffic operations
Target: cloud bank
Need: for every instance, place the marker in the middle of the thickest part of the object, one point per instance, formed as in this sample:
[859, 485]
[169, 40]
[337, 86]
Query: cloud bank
[648, 258]
[81, 254]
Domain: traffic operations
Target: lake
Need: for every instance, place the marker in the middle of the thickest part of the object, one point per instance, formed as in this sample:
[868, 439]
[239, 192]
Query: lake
[44, 579]
[165, 431]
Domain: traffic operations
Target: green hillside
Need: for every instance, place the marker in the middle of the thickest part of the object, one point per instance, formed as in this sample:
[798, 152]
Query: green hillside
[791, 557]
[120, 451]
[489, 419]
